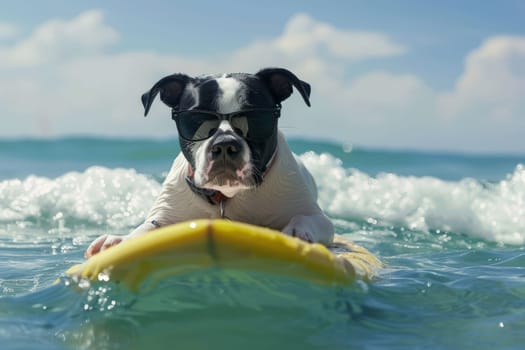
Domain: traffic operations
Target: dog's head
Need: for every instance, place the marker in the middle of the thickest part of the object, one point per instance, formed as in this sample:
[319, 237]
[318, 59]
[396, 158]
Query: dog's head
[227, 123]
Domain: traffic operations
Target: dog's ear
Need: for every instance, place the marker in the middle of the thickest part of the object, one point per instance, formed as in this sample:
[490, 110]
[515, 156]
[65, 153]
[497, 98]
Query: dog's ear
[170, 88]
[280, 82]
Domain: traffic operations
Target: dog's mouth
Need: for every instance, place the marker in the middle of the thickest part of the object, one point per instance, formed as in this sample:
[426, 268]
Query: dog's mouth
[227, 177]
[224, 174]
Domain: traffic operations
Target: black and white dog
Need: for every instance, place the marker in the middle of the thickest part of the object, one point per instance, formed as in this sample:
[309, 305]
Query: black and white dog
[234, 162]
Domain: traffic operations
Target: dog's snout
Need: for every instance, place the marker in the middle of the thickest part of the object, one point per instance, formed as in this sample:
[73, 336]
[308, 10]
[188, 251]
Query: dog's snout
[226, 147]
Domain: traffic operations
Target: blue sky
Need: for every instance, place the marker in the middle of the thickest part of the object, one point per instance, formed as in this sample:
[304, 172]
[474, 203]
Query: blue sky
[446, 75]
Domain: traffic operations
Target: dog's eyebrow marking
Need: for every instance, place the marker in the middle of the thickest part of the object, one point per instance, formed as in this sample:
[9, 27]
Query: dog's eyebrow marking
[230, 89]
[194, 93]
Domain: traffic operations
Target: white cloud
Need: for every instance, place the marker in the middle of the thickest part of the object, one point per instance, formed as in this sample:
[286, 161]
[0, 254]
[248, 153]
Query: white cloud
[493, 82]
[60, 40]
[304, 35]
[488, 98]
[61, 79]
[315, 48]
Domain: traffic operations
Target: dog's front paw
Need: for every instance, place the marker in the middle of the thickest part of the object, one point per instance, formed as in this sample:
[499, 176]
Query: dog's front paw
[298, 228]
[311, 228]
[304, 235]
[102, 243]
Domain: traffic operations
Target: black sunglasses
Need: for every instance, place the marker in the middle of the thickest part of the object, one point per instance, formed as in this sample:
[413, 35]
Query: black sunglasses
[198, 125]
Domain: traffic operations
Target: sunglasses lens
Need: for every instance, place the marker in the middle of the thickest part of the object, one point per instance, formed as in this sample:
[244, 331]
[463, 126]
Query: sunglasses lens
[197, 126]
[257, 124]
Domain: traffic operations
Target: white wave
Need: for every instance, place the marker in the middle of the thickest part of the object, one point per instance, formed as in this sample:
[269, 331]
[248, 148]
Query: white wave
[114, 197]
[495, 212]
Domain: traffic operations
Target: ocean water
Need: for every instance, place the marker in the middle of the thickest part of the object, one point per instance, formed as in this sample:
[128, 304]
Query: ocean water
[450, 229]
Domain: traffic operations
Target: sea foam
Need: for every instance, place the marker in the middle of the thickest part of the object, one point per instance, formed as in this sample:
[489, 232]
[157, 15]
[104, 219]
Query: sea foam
[114, 197]
[491, 211]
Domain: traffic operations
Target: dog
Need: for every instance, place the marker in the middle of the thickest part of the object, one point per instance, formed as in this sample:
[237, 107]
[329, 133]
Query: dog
[234, 162]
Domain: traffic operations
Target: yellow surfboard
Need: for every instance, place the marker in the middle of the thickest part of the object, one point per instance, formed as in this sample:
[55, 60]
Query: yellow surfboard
[197, 245]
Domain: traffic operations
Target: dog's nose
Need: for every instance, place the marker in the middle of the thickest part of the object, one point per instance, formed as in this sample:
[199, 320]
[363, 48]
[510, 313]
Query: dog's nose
[226, 147]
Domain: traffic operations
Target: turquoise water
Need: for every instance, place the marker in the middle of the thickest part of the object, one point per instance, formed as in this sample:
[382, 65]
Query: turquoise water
[450, 229]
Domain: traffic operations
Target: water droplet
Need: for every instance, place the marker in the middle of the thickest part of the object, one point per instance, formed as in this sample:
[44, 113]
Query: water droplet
[103, 276]
[84, 283]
